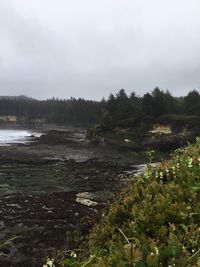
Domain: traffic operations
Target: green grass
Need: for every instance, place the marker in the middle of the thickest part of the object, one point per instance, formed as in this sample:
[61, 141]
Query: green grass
[155, 221]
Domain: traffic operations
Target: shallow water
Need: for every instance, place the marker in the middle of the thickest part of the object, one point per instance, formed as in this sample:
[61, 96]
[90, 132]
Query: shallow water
[8, 137]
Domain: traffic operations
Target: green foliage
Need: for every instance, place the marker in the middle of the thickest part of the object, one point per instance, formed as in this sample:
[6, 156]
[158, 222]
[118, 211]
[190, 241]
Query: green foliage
[71, 111]
[155, 221]
[192, 102]
[178, 122]
[159, 106]
[118, 110]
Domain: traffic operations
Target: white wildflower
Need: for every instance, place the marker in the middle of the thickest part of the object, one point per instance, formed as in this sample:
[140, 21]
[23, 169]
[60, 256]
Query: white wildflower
[174, 170]
[73, 254]
[157, 251]
[177, 165]
[49, 263]
[190, 161]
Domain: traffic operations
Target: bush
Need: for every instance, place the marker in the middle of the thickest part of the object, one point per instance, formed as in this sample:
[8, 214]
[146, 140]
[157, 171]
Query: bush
[155, 220]
[178, 122]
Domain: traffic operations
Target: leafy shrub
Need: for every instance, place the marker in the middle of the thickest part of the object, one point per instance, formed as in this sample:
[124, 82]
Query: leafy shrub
[155, 221]
[178, 122]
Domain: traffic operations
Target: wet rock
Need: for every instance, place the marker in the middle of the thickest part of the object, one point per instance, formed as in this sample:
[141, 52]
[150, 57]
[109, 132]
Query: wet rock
[41, 199]
[86, 201]
[20, 225]
[14, 205]
[2, 224]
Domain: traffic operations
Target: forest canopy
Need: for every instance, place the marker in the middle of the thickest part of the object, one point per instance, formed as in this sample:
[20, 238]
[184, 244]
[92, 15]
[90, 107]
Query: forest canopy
[155, 105]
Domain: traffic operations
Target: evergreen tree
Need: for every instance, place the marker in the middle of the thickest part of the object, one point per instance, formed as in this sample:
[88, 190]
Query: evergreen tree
[192, 103]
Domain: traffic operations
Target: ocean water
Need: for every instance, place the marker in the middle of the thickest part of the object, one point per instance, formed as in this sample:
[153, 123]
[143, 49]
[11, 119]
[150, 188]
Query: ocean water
[8, 137]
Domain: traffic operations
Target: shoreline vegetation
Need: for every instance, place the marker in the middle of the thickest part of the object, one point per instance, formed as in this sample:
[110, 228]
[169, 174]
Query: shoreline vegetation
[156, 120]
[154, 221]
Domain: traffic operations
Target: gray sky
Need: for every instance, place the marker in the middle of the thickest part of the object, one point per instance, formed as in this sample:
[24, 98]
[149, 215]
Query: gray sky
[89, 48]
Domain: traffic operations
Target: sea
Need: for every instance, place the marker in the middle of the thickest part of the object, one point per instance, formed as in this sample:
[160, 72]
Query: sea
[9, 137]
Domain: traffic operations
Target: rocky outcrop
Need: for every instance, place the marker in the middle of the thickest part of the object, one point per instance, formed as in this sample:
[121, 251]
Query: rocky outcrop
[159, 137]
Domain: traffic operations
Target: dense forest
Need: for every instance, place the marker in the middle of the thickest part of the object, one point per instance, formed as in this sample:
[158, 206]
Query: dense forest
[120, 109]
[156, 107]
[72, 111]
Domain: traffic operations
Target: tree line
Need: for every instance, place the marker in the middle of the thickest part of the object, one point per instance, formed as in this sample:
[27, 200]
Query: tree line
[71, 111]
[155, 105]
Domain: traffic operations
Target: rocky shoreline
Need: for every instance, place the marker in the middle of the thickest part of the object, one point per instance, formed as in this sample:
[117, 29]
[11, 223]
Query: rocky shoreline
[50, 188]
[160, 138]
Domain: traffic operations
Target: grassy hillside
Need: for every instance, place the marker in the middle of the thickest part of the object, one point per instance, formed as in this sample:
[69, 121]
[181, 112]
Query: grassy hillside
[155, 221]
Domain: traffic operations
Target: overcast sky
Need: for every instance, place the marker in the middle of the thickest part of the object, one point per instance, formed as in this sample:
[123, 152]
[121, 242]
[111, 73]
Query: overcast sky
[89, 48]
